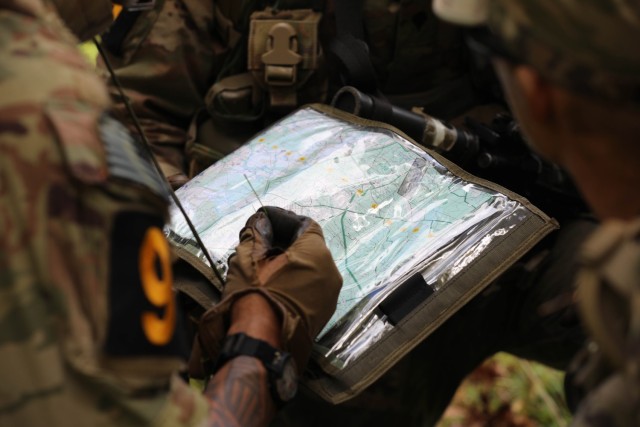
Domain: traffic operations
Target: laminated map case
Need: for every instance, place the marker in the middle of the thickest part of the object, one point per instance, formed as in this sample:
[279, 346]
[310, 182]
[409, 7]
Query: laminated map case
[414, 236]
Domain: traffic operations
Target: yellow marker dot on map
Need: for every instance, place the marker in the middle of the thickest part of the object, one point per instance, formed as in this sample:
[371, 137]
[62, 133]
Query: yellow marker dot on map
[360, 191]
[302, 159]
[261, 140]
[374, 205]
[415, 230]
[274, 146]
[288, 153]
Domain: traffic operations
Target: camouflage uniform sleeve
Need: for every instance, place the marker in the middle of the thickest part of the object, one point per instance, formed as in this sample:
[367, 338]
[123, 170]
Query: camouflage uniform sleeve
[608, 296]
[88, 331]
[166, 61]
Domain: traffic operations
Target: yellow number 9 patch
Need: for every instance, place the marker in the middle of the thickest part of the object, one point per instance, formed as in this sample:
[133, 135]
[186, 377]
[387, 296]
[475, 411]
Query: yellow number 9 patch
[156, 279]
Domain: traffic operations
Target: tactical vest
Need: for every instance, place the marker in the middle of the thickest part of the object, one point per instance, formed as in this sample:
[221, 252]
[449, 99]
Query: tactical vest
[282, 58]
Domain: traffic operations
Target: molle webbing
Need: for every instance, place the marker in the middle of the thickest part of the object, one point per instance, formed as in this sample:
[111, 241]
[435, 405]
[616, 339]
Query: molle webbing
[284, 51]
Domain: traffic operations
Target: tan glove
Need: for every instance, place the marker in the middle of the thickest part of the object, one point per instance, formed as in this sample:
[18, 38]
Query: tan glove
[282, 256]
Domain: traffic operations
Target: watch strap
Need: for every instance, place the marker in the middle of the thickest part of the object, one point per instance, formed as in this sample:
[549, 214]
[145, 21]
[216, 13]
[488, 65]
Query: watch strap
[243, 345]
[273, 359]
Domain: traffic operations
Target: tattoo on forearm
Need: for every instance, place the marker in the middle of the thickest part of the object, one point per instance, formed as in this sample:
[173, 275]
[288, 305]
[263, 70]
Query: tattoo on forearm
[239, 395]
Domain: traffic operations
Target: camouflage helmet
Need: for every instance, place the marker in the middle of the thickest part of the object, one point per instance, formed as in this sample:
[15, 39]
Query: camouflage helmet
[590, 47]
[86, 18]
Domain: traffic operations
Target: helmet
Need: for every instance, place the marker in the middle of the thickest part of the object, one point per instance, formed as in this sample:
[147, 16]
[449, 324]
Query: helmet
[463, 12]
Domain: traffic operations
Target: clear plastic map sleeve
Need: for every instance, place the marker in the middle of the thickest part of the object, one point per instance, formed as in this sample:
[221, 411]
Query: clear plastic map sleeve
[413, 236]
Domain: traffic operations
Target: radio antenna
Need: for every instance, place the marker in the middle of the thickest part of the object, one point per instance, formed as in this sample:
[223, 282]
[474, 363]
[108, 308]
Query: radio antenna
[147, 146]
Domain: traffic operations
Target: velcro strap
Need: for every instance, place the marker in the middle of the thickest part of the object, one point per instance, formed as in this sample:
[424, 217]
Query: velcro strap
[126, 158]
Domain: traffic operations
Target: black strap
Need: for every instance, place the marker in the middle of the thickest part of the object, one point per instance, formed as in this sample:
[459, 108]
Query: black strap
[405, 298]
[356, 68]
[350, 49]
[241, 344]
[114, 37]
[349, 19]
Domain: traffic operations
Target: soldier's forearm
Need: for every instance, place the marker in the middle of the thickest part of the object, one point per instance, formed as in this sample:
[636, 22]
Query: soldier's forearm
[254, 316]
[239, 392]
[239, 395]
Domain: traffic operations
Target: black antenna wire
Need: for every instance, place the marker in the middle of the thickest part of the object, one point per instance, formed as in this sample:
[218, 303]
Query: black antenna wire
[147, 146]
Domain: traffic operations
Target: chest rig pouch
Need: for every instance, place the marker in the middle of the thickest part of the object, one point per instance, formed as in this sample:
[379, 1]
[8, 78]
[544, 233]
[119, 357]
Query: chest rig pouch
[284, 52]
[283, 57]
[284, 71]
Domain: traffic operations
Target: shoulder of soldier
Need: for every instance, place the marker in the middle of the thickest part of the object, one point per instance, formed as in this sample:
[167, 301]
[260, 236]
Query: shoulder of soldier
[51, 92]
[608, 288]
[66, 172]
[614, 403]
[614, 245]
[45, 83]
[611, 257]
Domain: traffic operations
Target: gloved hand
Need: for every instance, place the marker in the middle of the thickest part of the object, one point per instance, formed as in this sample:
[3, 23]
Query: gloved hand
[282, 256]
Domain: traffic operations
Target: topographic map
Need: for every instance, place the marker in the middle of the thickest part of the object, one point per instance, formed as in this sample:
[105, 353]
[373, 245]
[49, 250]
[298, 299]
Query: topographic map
[384, 204]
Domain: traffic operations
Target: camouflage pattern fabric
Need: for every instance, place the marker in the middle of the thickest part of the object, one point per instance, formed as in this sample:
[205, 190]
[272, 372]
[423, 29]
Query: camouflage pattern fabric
[167, 64]
[65, 213]
[608, 292]
[585, 46]
[614, 403]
